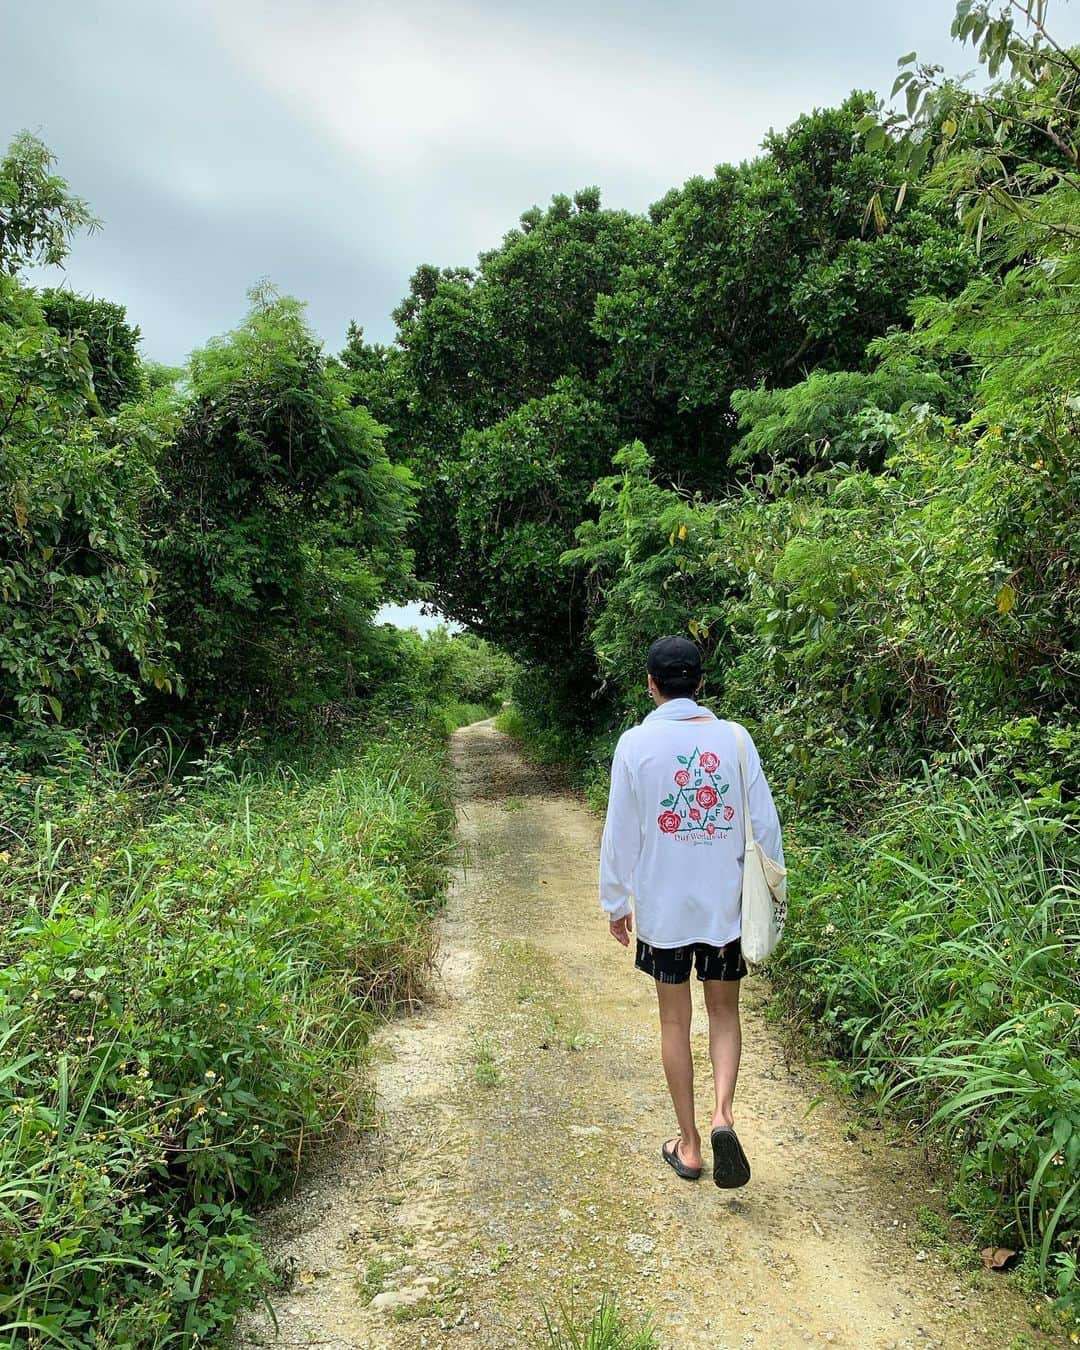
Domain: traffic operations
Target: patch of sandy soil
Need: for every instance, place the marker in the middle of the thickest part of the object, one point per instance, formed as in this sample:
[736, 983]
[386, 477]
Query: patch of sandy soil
[517, 1165]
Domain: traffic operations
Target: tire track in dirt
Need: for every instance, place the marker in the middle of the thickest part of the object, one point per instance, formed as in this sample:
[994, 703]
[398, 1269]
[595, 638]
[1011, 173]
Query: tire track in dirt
[517, 1167]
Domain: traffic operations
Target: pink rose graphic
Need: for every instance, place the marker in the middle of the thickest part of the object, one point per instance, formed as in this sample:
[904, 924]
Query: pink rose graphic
[710, 828]
[729, 813]
[669, 821]
[695, 814]
[709, 762]
[706, 797]
[682, 778]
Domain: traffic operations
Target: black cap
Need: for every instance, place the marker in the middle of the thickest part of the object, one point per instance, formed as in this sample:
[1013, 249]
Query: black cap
[673, 658]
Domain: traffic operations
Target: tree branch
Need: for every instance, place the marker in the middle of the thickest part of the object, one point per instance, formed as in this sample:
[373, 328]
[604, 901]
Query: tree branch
[1040, 28]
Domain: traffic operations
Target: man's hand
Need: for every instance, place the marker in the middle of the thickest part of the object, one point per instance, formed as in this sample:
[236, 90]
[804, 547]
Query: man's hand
[621, 929]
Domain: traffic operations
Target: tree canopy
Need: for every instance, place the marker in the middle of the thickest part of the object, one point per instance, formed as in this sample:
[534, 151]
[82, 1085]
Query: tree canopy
[511, 385]
[285, 521]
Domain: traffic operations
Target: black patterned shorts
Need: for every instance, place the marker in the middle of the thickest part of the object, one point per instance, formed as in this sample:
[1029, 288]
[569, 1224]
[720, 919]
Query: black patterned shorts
[671, 965]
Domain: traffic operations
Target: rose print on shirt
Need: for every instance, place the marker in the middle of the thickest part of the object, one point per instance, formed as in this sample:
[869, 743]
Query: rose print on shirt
[696, 809]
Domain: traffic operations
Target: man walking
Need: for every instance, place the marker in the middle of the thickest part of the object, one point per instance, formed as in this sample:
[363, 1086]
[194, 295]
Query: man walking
[672, 851]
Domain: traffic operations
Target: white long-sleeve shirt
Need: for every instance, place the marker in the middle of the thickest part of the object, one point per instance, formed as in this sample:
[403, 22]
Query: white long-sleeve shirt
[673, 840]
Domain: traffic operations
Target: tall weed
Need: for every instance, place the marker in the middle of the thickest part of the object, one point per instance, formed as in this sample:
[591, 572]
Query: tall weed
[190, 967]
[936, 955]
[607, 1328]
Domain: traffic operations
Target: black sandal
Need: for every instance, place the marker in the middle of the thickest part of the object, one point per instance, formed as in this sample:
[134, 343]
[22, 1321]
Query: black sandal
[730, 1166]
[671, 1156]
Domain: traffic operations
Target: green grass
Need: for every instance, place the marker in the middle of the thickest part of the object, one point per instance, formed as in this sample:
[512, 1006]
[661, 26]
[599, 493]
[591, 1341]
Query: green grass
[511, 723]
[607, 1328]
[934, 959]
[485, 1069]
[557, 1035]
[454, 715]
[191, 959]
[374, 1278]
[585, 762]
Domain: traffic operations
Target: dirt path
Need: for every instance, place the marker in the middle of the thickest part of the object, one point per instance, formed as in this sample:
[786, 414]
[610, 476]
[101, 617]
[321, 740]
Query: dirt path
[518, 1164]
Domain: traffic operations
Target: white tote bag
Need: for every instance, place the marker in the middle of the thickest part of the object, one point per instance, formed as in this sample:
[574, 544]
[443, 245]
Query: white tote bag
[764, 886]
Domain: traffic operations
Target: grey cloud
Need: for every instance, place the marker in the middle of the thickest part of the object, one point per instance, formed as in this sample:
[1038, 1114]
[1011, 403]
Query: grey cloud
[216, 155]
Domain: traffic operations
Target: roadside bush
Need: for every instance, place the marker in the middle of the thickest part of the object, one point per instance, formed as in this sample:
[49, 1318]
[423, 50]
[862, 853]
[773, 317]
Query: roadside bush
[191, 959]
[935, 958]
[861, 621]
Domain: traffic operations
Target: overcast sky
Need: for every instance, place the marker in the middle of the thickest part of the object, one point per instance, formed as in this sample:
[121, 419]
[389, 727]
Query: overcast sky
[332, 145]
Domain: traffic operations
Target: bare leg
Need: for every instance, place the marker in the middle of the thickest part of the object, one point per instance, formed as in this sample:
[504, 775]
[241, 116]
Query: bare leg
[725, 1044]
[675, 1014]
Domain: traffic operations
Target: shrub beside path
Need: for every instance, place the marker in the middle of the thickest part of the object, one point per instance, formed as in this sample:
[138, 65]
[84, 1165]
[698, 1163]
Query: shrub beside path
[517, 1165]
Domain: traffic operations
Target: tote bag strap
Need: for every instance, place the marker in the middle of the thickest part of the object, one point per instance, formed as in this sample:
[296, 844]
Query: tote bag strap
[740, 741]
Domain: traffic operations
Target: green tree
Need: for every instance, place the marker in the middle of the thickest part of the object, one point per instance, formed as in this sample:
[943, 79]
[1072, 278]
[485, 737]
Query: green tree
[80, 638]
[520, 489]
[994, 152]
[842, 416]
[760, 274]
[755, 277]
[284, 527]
[111, 343]
[38, 211]
[480, 351]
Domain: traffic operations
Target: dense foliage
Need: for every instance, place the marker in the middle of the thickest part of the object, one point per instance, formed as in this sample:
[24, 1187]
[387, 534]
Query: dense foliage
[199, 548]
[511, 385]
[183, 1008]
[79, 632]
[195, 929]
[490, 376]
[819, 410]
[112, 345]
[284, 526]
[826, 423]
